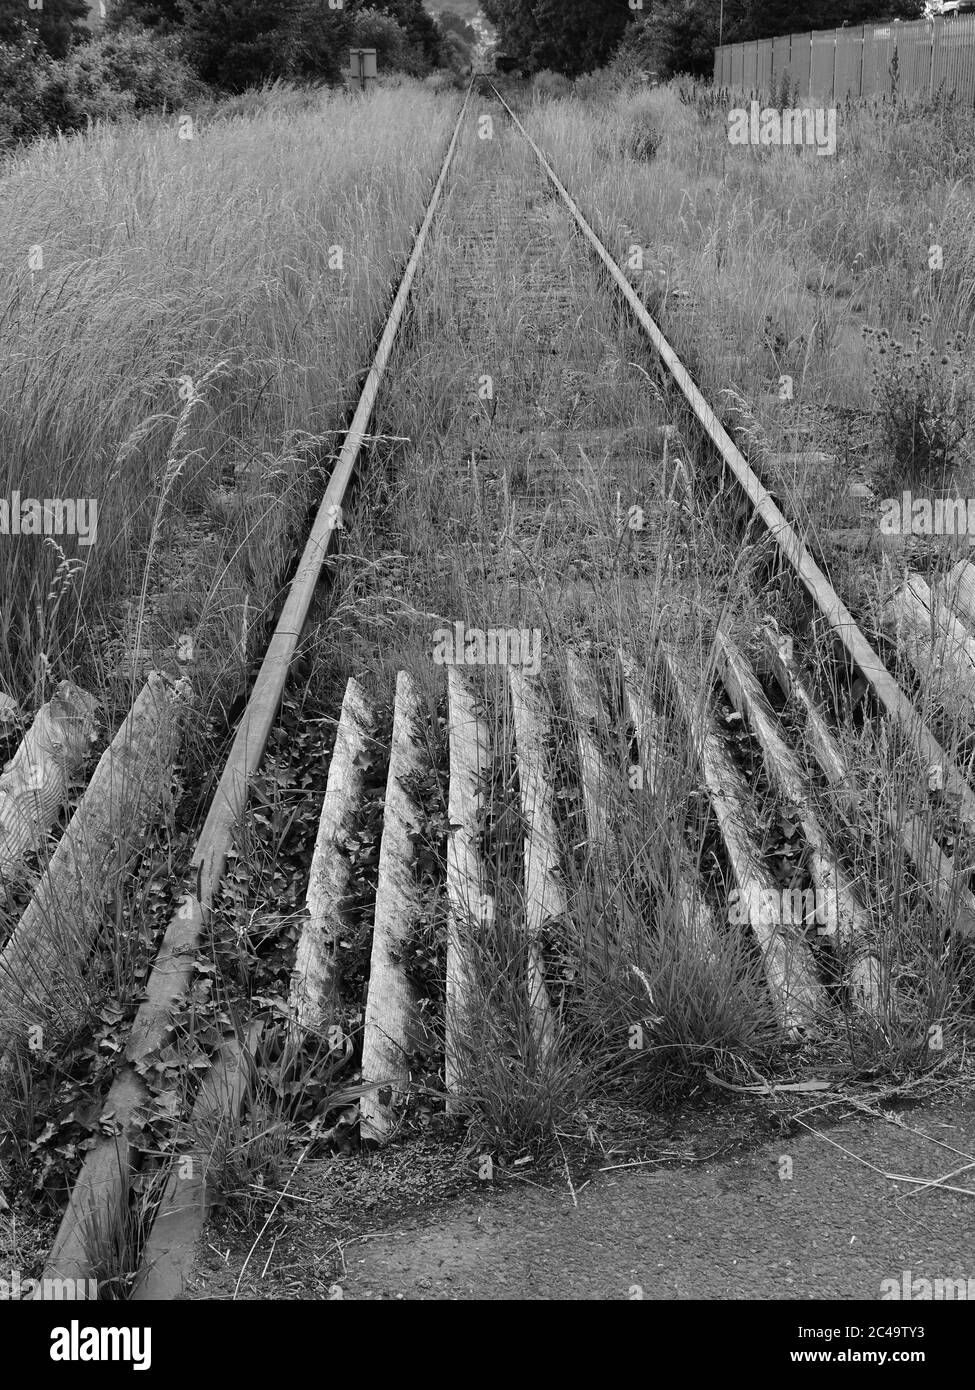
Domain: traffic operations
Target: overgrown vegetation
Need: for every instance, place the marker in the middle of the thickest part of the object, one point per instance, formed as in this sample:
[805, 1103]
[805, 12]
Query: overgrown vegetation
[206, 428]
[56, 74]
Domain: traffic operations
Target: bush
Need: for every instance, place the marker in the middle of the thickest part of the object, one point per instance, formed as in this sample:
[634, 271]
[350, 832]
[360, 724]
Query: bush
[441, 82]
[642, 135]
[549, 86]
[926, 403]
[239, 43]
[394, 51]
[24, 69]
[372, 29]
[115, 75]
[129, 71]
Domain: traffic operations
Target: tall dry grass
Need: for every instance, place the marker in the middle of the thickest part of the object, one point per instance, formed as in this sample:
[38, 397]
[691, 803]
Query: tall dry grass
[184, 357]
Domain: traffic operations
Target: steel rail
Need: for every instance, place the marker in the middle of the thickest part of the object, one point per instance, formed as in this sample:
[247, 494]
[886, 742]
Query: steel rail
[893, 699]
[101, 1189]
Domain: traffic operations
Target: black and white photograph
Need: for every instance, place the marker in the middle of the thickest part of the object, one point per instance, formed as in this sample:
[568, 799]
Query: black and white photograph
[487, 673]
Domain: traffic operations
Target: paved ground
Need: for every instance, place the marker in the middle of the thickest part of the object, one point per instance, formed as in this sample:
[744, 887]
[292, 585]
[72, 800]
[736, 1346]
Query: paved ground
[733, 1230]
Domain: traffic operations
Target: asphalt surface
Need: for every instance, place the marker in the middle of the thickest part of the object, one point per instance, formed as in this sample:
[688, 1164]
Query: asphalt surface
[802, 1219]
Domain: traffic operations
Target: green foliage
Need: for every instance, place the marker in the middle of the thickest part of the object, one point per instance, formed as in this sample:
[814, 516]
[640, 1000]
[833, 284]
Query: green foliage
[373, 29]
[24, 69]
[235, 44]
[767, 18]
[115, 74]
[567, 36]
[451, 23]
[680, 36]
[420, 28]
[132, 70]
[57, 25]
[321, 40]
[163, 16]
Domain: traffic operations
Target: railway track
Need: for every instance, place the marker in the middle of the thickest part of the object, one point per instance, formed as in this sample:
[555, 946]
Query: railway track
[571, 737]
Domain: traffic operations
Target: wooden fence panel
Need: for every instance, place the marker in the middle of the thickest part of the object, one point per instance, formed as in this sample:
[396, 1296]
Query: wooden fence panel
[781, 54]
[749, 77]
[737, 65]
[832, 65]
[800, 62]
[823, 66]
[764, 79]
[878, 50]
[960, 64]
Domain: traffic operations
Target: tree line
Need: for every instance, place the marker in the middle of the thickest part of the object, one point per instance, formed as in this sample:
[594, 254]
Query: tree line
[56, 72]
[575, 36]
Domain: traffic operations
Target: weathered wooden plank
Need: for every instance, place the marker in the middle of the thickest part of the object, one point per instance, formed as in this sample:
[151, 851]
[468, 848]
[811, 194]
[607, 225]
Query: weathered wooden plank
[935, 869]
[937, 644]
[314, 980]
[34, 784]
[839, 913]
[170, 1251]
[598, 787]
[471, 906]
[545, 898]
[392, 1026]
[695, 918]
[960, 591]
[789, 967]
[48, 949]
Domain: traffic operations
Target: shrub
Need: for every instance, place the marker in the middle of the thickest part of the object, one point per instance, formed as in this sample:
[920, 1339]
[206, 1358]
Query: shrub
[549, 86]
[129, 71]
[394, 51]
[926, 402]
[24, 69]
[642, 135]
[372, 29]
[239, 43]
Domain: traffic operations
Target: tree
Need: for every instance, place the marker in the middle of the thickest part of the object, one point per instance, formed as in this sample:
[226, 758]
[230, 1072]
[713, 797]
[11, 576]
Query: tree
[516, 26]
[162, 16]
[420, 28]
[454, 23]
[568, 36]
[373, 29]
[322, 38]
[769, 18]
[57, 25]
[456, 53]
[235, 44]
[681, 35]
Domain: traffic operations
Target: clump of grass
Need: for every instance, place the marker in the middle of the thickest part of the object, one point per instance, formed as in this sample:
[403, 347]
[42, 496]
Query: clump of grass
[516, 1092]
[642, 137]
[925, 402]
